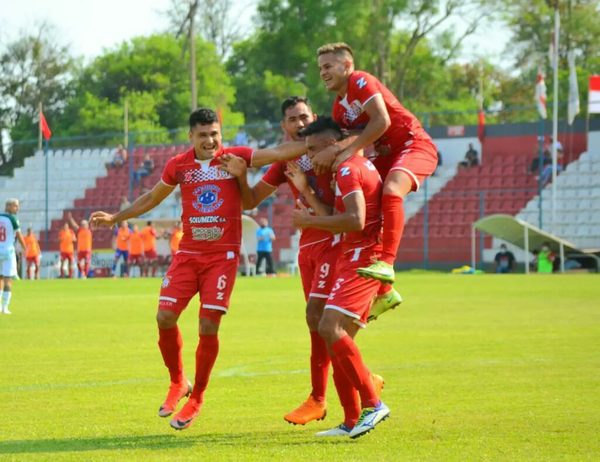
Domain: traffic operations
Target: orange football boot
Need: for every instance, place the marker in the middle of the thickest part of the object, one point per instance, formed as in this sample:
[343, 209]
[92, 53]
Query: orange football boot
[309, 410]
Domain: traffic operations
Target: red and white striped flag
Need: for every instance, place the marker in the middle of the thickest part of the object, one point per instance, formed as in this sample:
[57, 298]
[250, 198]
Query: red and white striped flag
[540, 95]
[594, 95]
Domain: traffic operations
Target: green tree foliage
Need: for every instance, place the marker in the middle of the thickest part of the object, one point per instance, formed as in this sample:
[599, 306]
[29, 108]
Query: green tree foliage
[152, 74]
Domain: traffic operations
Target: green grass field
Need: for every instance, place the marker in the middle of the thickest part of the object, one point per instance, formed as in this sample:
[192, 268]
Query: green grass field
[476, 368]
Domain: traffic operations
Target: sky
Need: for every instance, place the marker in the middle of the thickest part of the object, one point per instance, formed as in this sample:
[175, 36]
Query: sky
[89, 26]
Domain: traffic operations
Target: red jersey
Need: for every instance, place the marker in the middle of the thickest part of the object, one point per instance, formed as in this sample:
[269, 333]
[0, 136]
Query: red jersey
[349, 113]
[210, 199]
[321, 184]
[359, 174]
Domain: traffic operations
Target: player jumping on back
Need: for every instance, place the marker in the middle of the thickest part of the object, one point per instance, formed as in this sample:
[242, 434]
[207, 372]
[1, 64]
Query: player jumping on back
[406, 155]
[207, 259]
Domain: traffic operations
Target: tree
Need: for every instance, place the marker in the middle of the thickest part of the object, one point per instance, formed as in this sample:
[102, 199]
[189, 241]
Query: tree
[34, 68]
[152, 74]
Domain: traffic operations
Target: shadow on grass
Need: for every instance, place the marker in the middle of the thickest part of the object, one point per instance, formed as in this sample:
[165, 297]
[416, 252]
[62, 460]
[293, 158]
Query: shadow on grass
[152, 442]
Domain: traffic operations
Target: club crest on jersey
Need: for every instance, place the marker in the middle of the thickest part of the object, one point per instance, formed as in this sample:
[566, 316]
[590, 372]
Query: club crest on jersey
[166, 281]
[207, 198]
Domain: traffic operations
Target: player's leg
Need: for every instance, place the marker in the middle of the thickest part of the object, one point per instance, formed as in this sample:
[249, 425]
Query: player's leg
[87, 264]
[269, 260]
[37, 268]
[259, 258]
[125, 267]
[71, 264]
[215, 286]
[178, 286]
[6, 293]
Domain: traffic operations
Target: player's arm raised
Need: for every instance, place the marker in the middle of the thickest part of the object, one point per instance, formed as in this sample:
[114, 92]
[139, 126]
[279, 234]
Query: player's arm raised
[379, 122]
[285, 151]
[141, 205]
[251, 196]
[353, 218]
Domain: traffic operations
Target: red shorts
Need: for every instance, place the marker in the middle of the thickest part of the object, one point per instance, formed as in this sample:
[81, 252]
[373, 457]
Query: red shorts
[211, 275]
[150, 255]
[135, 260]
[419, 161]
[352, 294]
[66, 256]
[317, 268]
[84, 255]
[33, 260]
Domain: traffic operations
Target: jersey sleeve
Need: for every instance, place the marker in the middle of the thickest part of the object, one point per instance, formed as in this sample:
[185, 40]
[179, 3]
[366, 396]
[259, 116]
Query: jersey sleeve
[245, 152]
[275, 175]
[362, 87]
[348, 179]
[169, 176]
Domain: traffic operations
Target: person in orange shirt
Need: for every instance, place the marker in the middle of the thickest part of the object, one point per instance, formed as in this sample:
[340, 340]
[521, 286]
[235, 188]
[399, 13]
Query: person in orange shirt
[121, 245]
[66, 239]
[84, 245]
[175, 236]
[150, 256]
[32, 255]
[136, 247]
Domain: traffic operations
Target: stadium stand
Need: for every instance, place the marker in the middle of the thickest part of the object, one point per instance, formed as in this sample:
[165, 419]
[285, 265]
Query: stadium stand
[577, 203]
[70, 172]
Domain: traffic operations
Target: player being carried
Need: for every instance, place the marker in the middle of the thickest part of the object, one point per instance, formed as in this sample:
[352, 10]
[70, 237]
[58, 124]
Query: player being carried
[405, 154]
[317, 254]
[208, 255]
[358, 216]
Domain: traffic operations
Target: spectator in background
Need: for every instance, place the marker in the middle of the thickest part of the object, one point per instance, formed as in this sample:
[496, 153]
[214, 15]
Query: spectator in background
[84, 245]
[66, 239]
[264, 247]
[545, 259]
[136, 247]
[241, 138]
[546, 174]
[534, 167]
[146, 168]
[119, 158]
[32, 255]
[124, 203]
[471, 158]
[504, 261]
[175, 238]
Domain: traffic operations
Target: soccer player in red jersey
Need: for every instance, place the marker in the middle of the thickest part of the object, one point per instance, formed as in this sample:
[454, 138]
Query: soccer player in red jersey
[358, 216]
[208, 254]
[405, 154]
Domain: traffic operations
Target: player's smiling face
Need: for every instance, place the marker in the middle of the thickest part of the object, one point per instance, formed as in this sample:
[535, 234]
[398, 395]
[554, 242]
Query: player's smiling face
[206, 140]
[296, 118]
[334, 71]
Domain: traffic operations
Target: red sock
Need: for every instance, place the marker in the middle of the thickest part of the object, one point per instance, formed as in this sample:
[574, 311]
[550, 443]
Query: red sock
[393, 226]
[171, 344]
[347, 393]
[206, 355]
[384, 289]
[319, 366]
[351, 362]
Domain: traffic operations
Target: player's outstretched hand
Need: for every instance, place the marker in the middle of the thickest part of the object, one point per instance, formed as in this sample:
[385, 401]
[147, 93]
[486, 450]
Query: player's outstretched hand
[234, 165]
[101, 219]
[323, 160]
[301, 216]
[296, 176]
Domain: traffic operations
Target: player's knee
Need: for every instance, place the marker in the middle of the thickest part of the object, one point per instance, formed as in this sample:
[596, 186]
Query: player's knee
[314, 312]
[397, 184]
[166, 319]
[328, 328]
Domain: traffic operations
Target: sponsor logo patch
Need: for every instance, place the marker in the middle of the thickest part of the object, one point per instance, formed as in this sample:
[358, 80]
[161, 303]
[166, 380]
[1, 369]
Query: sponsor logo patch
[207, 234]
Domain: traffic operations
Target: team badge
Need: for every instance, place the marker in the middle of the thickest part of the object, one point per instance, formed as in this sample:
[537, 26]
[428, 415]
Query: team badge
[165, 282]
[207, 198]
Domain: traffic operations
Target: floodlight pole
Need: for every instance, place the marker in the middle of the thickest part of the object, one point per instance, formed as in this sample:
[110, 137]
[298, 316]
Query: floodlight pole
[555, 113]
[192, 37]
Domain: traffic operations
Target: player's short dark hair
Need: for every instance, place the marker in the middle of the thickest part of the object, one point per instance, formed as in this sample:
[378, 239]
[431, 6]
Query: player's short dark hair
[292, 101]
[321, 125]
[203, 116]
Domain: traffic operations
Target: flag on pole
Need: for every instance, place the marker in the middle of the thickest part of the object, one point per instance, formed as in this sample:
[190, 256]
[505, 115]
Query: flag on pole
[481, 126]
[594, 95]
[44, 127]
[573, 108]
[540, 95]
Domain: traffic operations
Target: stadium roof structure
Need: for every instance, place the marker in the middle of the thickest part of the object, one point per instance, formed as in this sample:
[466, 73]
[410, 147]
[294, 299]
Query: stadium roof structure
[525, 236]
